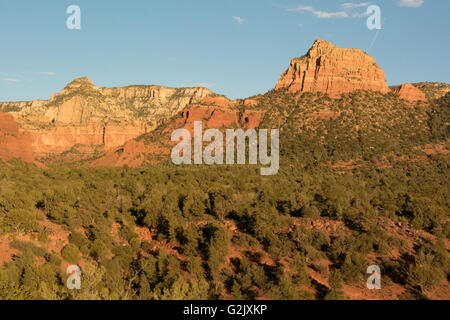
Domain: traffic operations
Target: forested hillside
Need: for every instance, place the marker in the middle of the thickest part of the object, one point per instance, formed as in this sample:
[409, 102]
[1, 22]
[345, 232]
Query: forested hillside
[363, 180]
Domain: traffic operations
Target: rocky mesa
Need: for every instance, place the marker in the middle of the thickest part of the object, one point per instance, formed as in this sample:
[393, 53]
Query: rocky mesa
[83, 113]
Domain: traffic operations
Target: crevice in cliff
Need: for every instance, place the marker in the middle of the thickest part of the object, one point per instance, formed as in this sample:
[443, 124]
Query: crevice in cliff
[103, 135]
[303, 81]
[318, 65]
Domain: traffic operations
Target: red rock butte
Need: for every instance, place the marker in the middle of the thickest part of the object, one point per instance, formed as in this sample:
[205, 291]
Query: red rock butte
[332, 70]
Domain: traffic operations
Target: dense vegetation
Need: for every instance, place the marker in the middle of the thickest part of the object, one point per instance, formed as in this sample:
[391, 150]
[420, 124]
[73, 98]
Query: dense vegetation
[354, 189]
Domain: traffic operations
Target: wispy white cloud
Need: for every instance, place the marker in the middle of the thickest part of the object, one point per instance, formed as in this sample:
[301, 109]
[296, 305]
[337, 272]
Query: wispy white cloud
[351, 5]
[328, 15]
[410, 3]
[11, 80]
[301, 8]
[318, 13]
[47, 73]
[360, 14]
[239, 19]
[348, 10]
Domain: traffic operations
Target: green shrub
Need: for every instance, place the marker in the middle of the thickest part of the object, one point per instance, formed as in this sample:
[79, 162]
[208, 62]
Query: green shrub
[71, 254]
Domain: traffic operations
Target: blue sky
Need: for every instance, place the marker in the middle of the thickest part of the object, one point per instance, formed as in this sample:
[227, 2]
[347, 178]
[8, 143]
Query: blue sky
[234, 47]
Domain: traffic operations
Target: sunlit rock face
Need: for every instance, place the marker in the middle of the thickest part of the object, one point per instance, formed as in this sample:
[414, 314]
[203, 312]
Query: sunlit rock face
[332, 70]
[410, 93]
[83, 113]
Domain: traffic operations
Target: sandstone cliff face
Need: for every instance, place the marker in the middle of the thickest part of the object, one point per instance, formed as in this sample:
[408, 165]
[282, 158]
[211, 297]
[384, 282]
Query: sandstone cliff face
[327, 68]
[59, 139]
[410, 93]
[13, 143]
[83, 113]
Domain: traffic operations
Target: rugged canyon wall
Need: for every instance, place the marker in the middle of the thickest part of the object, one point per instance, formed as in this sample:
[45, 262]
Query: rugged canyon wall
[330, 69]
[83, 113]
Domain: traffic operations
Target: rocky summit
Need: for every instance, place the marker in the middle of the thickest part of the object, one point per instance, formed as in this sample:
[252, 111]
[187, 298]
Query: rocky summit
[330, 69]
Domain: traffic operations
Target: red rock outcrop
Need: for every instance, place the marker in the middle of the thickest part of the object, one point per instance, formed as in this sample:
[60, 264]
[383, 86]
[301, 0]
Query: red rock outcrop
[410, 93]
[13, 142]
[330, 69]
[220, 101]
[218, 115]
